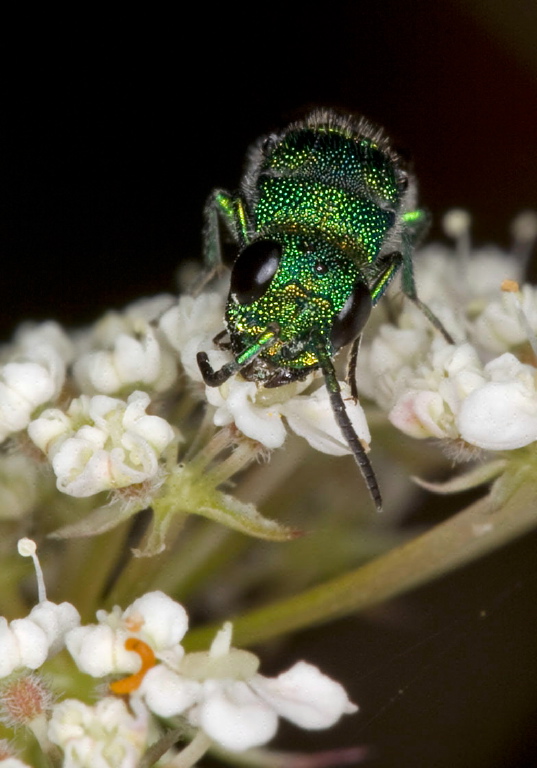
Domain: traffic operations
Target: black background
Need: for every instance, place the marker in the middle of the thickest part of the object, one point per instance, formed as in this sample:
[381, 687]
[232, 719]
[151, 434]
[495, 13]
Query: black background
[112, 133]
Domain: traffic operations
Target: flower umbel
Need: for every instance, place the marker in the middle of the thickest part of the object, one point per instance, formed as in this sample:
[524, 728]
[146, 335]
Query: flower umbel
[219, 691]
[110, 433]
[482, 389]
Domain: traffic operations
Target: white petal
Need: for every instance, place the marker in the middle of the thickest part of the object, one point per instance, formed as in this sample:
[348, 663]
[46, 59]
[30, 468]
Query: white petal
[155, 430]
[100, 650]
[420, 414]
[51, 425]
[191, 325]
[168, 694]
[260, 422]
[15, 411]
[499, 416]
[82, 472]
[233, 716]
[305, 696]
[10, 657]
[13, 762]
[31, 381]
[55, 621]
[96, 372]
[31, 642]
[311, 417]
[158, 618]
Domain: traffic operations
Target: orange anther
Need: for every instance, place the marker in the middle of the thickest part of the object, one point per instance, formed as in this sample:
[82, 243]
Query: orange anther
[510, 286]
[132, 682]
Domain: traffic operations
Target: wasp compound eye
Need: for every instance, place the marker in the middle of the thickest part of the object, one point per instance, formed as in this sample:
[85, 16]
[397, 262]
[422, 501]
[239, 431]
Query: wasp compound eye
[254, 269]
[352, 317]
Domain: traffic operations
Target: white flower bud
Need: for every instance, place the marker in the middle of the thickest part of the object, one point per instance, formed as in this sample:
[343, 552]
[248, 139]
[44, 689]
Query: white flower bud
[30, 641]
[119, 445]
[502, 413]
[99, 649]
[33, 374]
[126, 351]
[106, 735]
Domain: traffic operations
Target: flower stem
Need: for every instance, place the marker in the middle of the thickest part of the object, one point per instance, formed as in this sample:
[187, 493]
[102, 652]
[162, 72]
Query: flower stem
[470, 534]
[190, 755]
[96, 557]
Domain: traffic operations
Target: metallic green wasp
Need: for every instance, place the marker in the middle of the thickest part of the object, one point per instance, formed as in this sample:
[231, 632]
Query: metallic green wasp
[324, 218]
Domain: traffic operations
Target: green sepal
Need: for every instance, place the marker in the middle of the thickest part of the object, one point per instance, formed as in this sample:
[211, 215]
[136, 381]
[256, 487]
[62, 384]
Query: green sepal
[99, 521]
[191, 492]
[475, 477]
[187, 490]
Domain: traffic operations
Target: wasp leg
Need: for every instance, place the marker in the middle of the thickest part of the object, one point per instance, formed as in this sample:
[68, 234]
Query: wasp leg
[219, 207]
[409, 289]
[345, 425]
[393, 261]
[215, 378]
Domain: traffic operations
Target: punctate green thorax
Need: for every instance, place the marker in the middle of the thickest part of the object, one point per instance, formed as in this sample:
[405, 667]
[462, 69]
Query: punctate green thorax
[327, 182]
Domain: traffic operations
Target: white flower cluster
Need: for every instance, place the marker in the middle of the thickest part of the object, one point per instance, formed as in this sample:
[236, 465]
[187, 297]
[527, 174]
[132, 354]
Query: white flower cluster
[83, 399]
[219, 692]
[94, 442]
[483, 388]
[33, 374]
[125, 351]
[102, 443]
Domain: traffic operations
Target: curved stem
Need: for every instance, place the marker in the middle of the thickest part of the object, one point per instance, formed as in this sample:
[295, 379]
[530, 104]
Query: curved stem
[474, 532]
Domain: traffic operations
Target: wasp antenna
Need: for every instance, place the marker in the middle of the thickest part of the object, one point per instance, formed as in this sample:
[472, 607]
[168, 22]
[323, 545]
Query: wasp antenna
[215, 378]
[347, 430]
[351, 367]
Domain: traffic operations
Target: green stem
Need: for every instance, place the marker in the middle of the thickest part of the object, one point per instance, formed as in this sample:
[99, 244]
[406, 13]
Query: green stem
[140, 572]
[190, 755]
[219, 442]
[244, 454]
[470, 534]
[96, 557]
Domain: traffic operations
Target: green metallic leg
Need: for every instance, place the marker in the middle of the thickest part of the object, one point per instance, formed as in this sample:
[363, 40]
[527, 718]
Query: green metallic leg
[218, 208]
[416, 225]
[393, 262]
[409, 289]
[221, 207]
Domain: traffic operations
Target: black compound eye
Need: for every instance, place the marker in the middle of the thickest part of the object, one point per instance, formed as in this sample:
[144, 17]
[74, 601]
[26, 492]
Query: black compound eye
[253, 270]
[352, 317]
